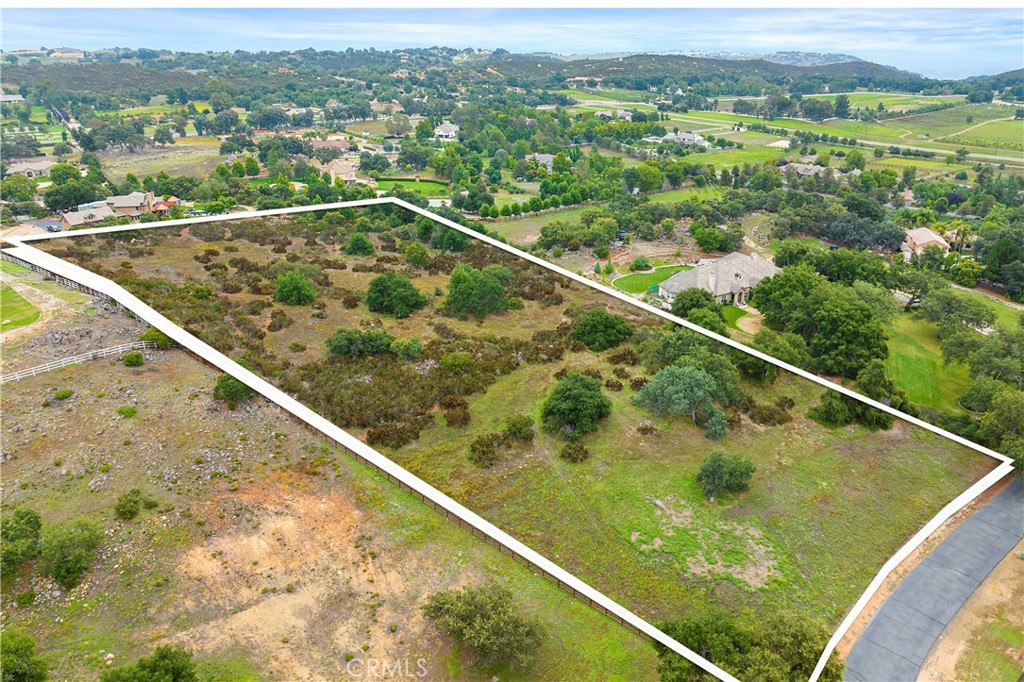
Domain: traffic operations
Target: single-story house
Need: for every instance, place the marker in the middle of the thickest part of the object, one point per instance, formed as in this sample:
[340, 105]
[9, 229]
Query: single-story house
[622, 114]
[919, 238]
[11, 99]
[687, 139]
[132, 205]
[729, 279]
[67, 53]
[447, 131]
[344, 169]
[542, 160]
[31, 169]
[94, 213]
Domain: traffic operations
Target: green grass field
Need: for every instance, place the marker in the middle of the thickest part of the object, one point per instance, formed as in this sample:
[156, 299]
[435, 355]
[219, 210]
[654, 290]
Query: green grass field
[694, 193]
[426, 187]
[732, 313]
[637, 282]
[915, 364]
[15, 311]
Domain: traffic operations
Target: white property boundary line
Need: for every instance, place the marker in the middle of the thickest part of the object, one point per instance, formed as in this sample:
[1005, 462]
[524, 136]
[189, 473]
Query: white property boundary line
[397, 473]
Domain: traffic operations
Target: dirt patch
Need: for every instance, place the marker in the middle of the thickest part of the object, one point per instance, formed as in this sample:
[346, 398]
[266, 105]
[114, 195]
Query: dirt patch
[751, 322]
[302, 583]
[1002, 592]
[716, 540]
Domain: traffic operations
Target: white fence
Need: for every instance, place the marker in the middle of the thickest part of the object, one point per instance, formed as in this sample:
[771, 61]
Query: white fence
[75, 359]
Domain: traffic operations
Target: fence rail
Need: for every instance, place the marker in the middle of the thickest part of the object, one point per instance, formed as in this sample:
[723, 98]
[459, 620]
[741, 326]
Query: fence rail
[76, 359]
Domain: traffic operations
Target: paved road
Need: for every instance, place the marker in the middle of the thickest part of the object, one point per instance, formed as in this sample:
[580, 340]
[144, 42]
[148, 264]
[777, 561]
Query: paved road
[897, 640]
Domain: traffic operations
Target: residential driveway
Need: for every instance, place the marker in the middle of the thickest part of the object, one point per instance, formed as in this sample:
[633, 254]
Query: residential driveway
[896, 642]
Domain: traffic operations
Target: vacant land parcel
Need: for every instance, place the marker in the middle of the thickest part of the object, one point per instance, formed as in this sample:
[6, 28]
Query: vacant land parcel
[444, 353]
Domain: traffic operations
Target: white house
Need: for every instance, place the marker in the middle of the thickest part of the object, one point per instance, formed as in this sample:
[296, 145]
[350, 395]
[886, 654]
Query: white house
[447, 131]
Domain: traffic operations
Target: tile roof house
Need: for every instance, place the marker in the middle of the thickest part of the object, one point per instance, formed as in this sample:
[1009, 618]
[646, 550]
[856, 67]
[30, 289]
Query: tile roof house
[446, 131]
[729, 279]
[94, 213]
[31, 169]
[344, 169]
[132, 205]
[920, 237]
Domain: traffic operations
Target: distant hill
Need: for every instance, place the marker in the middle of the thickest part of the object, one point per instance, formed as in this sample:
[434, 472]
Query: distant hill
[788, 58]
[642, 70]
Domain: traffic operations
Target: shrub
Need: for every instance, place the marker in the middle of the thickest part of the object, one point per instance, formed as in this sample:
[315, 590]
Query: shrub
[483, 451]
[688, 300]
[359, 245]
[294, 288]
[67, 550]
[475, 292]
[133, 359]
[167, 664]
[600, 330]
[63, 394]
[129, 504]
[640, 263]
[18, 659]
[19, 538]
[393, 435]
[296, 347]
[457, 417]
[231, 389]
[154, 335]
[574, 452]
[485, 620]
[519, 428]
[410, 349]
[352, 342]
[613, 385]
[393, 294]
[724, 472]
[575, 406]
[127, 411]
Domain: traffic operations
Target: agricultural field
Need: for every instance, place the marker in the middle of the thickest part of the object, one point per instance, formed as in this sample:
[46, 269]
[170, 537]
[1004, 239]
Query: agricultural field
[637, 282]
[824, 510]
[999, 134]
[187, 156]
[268, 552]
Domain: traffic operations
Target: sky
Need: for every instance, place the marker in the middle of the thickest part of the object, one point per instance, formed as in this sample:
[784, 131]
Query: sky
[941, 43]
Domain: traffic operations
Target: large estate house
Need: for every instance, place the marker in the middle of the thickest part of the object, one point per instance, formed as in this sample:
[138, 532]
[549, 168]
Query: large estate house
[729, 279]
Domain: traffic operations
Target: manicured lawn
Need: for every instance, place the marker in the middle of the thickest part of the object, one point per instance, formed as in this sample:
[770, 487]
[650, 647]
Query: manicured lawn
[915, 364]
[1007, 317]
[732, 313]
[637, 282]
[426, 187]
[695, 193]
[15, 311]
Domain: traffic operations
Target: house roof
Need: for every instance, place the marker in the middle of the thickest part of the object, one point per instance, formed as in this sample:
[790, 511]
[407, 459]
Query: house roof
[36, 166]
[546, 159]
[133, 200]
[727, 275]
[446, 129]
[922, 236]
[89, 215]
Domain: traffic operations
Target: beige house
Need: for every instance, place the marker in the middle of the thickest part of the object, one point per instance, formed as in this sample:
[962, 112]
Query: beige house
[919, 238]
[344, 169]
[132, 205]
[94, 213]
[31, 169]
[67, 53]
[729, 279]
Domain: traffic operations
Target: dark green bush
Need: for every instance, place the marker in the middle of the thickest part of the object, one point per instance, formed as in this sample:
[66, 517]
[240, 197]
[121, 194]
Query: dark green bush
[133, 359]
